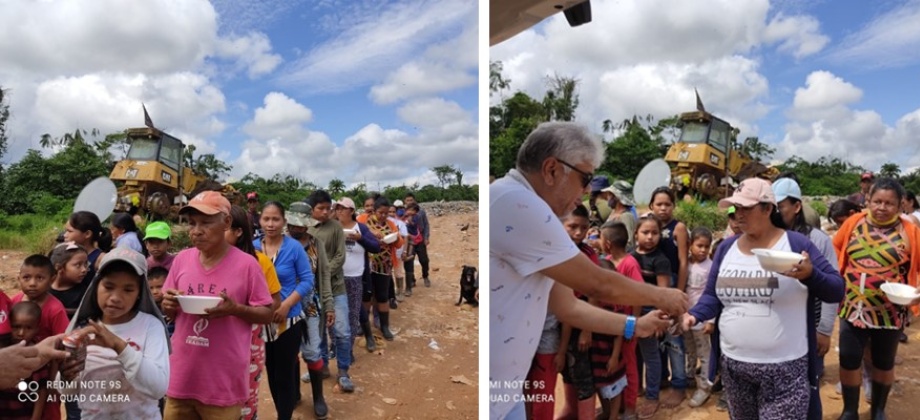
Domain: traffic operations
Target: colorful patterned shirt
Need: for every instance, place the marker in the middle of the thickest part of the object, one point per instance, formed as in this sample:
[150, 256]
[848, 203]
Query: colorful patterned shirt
[876, 256]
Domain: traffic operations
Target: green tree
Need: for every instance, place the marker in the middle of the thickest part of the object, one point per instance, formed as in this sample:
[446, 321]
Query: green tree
[757, 150]
[826, 176]
[336, 187]
[445, 174]
[4, 116]
[629, 152]
[513, 118]
[890, 170]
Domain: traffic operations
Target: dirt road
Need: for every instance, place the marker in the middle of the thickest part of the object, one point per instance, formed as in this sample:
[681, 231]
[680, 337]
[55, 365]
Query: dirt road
[406, 379]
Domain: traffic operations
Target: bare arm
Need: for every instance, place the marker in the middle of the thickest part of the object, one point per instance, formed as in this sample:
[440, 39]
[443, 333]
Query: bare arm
[683, 251]
[581, 274]
[582, 315]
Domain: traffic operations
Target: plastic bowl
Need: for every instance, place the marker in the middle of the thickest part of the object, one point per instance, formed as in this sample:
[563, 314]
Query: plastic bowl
[196, 305]
[349, 231]
[389, 239]
[777, 261]
[899, 294]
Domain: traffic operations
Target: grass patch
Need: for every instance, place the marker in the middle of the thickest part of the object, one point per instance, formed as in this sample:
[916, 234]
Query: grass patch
[31, 233]
[695, 215]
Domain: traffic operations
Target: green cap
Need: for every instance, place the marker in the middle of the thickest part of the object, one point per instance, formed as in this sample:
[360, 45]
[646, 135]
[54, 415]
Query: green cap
[731, 210]
[158, 230]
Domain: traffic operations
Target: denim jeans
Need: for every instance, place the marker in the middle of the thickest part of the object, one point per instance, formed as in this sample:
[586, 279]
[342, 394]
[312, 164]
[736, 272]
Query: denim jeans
[674, 346]
[342, 332]
[652, 359]
[310, 345]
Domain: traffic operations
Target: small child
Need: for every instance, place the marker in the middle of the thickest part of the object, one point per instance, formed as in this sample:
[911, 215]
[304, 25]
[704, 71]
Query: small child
[156, 239]
[130, 342]
[155, 279]
[697, 339]
[24, 319]
[614, 240]
[546, 365]
[35, 276]
[577, 375]
[656, 270]
[71, 263]
[415, 238]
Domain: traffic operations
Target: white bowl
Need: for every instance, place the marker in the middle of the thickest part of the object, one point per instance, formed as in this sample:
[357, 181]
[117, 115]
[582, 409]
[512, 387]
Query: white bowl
[899, 293]
[349, 231]
[196, 305]
[389, 239]
[777, 261]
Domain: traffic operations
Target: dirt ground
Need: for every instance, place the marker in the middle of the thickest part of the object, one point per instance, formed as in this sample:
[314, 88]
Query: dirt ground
[430, 370]
[906, 388]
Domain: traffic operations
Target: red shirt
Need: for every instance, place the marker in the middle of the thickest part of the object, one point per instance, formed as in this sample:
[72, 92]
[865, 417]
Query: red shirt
[5, 304]
[54, 317]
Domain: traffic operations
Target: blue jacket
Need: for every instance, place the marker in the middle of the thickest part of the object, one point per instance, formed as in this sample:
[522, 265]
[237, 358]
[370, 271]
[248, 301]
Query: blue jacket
[825, 284]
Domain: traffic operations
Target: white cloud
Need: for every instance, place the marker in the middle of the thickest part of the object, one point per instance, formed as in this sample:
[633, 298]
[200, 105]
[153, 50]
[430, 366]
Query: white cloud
[51, 38]
[252, 52]
[641, 57]
[282, 143]
[796, 35]
[890, 40]
[182, 104]
[378, 45]
[824, 123]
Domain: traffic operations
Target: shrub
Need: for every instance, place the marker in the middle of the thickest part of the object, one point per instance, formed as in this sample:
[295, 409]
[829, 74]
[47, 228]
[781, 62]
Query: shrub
[819, 207]
[695, 215]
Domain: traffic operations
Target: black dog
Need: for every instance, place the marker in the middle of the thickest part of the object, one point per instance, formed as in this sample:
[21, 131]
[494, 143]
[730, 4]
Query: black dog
[469, 283]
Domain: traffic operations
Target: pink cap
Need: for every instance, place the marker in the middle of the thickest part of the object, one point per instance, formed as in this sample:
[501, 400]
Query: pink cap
[346, 202]
[751, 191]
[208, 202]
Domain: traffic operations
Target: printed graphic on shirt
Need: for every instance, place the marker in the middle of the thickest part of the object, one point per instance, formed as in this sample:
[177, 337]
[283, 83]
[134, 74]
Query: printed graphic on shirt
[197, 340]
[754, 288]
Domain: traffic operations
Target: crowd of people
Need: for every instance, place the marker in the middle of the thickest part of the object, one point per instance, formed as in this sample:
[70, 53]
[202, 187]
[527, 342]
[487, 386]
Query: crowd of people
[714, 319]
[285, 282]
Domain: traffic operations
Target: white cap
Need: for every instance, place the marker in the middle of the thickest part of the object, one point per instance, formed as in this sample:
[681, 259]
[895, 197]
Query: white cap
[399, 203]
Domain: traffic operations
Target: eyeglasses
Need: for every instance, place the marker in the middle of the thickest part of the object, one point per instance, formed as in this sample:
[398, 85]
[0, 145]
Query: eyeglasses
[586, 177]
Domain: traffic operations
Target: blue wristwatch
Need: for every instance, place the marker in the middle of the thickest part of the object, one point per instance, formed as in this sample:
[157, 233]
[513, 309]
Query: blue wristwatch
[630, 327]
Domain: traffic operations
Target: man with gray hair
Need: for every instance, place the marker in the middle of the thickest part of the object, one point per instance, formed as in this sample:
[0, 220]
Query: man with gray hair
[535, 266]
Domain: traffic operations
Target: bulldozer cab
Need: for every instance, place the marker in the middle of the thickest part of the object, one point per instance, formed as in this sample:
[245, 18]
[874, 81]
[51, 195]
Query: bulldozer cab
[701, 127]
[165, 149]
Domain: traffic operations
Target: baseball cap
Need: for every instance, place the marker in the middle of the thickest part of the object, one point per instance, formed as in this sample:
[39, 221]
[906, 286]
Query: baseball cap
[209, 203]
[346, 202]
[867, 176]
[751, 191]
[399, 203]
[252, 196]
[784, 188]
[598, 183]
[731, 210]
[137, 260]
[299, 214]
[157, 230]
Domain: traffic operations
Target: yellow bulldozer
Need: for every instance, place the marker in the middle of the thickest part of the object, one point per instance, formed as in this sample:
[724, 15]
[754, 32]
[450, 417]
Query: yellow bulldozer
[154, 179]
[706, 161]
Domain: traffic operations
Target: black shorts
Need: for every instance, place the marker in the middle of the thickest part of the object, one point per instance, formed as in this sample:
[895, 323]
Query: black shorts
[379, 288]
[577, 371]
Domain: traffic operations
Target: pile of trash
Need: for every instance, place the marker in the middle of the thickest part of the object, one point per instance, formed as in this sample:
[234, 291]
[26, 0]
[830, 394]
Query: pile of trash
[441, 208]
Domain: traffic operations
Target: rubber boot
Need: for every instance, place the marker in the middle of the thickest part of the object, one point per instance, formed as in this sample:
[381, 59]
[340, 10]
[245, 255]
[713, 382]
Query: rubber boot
[850, 402]
[368, 335]
[880, 393]
[385, 326]
[319, 403]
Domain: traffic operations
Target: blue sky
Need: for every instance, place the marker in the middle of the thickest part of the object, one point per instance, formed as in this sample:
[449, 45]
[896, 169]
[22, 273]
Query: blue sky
[355, 90]
[811, 78]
